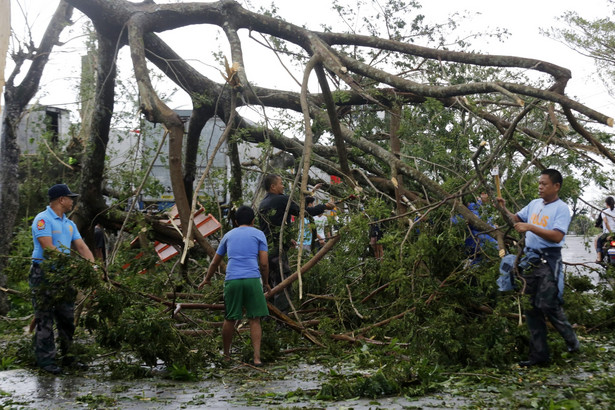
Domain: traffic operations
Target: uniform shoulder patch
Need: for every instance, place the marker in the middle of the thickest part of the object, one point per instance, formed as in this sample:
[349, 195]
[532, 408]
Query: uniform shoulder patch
[40, 225]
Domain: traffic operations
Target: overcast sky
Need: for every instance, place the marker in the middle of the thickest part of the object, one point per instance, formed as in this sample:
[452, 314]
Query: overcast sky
[521, 18]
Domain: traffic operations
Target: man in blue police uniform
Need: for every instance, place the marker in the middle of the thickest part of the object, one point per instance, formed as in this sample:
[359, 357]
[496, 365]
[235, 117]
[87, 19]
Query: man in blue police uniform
[545, 223]
[52, 231]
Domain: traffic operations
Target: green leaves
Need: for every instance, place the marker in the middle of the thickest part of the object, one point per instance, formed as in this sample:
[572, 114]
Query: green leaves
[181, 373]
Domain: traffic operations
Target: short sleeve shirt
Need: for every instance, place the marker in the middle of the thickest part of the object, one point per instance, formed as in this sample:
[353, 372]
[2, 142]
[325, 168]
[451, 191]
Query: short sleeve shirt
[609, 216]
[321, 222]
[62, 231]
[307, 232]
[242, 246]
[553, 216]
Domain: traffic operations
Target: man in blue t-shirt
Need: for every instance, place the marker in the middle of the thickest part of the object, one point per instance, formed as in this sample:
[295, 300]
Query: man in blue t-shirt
[52, 231]
[545, 223]
[247, 272]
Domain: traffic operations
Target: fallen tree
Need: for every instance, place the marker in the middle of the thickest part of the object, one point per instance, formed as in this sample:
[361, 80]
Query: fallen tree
[357, 84]
[400, 124]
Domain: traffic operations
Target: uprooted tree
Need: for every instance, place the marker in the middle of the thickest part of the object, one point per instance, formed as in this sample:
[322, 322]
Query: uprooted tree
[418, 127]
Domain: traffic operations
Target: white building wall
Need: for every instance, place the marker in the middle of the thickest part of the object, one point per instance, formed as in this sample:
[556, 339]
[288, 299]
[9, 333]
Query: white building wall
[35, 123]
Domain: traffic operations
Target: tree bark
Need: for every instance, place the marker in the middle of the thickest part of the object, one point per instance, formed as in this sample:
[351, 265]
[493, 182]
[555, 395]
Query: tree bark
[395, 122]
[16, 99]
[92, 204]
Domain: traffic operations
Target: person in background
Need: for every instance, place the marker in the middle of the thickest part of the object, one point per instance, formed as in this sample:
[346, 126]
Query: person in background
[545, 222]
[476, 240]
[306, 243]
[271, 217]
[479, 240]
[100, 249]
[608, 226]
[247, 273]
[485, 208]
[52, 231]
[333, 221]
[375, 234]
[321, 223]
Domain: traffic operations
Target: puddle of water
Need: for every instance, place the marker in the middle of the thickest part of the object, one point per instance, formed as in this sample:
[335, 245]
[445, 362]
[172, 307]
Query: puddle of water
[30, 389]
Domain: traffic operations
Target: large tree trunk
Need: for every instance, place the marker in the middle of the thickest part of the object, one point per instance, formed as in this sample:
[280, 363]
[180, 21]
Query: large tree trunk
[235, 184]
[16, 99]
[97, 125]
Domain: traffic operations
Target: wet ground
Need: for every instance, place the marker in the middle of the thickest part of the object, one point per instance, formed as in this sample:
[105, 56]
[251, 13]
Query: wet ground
[579, 258]
[274, 386]
[579, 249]
[249, 388]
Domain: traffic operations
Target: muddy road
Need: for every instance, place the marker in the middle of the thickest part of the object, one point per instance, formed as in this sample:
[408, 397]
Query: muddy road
[237, 387]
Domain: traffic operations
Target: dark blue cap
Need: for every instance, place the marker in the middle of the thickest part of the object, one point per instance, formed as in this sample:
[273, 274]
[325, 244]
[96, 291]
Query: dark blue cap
[59, 190]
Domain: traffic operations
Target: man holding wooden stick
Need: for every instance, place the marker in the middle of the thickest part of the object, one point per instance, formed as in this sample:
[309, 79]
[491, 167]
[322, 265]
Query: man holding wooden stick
[545, 223]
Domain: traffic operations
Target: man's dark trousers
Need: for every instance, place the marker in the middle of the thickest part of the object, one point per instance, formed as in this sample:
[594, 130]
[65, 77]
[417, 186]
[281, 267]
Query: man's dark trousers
[48, 308]
[542, 288]
[280, 300]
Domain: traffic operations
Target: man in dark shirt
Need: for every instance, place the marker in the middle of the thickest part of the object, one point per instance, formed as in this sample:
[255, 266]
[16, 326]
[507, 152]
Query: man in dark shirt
[100, 251]
[271, 215]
